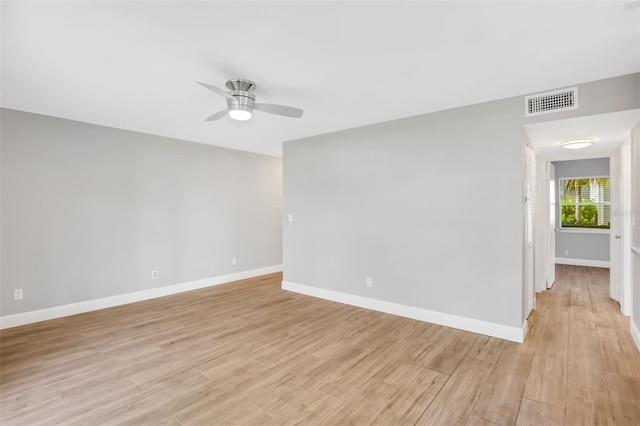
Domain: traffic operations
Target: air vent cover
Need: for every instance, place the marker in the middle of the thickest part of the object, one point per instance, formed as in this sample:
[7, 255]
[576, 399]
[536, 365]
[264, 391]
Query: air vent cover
[554, 101]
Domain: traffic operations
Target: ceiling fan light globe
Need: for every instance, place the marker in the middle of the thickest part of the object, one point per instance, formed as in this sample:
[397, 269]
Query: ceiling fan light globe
[240, 114]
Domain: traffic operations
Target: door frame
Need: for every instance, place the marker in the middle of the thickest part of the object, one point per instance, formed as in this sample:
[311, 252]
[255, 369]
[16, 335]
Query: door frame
[543, 255]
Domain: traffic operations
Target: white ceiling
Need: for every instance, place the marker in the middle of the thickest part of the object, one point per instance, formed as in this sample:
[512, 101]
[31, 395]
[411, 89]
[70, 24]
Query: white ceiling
[607, 131]
[133, 65]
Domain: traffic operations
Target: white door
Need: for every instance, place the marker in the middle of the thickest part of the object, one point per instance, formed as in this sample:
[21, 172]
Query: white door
[529, 206]
[626, 228]
[621, 257]
[551, 215]
[635, 228]
[615, 249]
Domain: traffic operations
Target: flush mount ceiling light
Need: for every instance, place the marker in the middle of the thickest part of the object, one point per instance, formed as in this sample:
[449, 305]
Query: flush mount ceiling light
[578, 143]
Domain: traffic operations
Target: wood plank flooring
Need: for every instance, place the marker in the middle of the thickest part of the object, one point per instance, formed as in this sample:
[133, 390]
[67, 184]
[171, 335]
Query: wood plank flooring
[251, 353]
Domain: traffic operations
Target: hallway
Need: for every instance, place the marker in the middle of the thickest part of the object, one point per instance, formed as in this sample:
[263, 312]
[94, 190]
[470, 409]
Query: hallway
[586, 367]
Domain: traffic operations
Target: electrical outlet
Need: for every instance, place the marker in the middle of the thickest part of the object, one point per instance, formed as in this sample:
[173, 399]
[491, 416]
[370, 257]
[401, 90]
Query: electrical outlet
[369, 282]
[17, 294]
[290, 217]
[233, 261]
[566, 252]
[154, 274]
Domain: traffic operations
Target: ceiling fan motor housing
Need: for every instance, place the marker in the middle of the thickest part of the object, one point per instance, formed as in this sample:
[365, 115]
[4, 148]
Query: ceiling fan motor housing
[241, 89]
[244, 100]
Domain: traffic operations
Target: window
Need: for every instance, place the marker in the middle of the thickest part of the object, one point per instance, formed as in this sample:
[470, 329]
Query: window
[585, 202]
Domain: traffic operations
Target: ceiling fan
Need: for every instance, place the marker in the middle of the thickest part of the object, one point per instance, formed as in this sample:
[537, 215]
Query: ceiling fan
[241, 102]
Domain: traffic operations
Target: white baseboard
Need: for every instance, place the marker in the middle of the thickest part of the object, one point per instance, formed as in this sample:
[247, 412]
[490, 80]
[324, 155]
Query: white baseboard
[635, 333]
[15, 320]
[583, 262]
[468, 324]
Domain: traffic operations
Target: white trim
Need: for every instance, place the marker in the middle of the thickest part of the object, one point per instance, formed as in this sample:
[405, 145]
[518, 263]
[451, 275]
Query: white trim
[583, 262]
[476, 326]
[635, 333]
[15, 320]
[583, 230]
[525, 330]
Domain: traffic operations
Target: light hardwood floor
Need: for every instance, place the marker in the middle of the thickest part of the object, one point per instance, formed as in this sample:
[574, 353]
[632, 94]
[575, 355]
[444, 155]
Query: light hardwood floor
[250, 353]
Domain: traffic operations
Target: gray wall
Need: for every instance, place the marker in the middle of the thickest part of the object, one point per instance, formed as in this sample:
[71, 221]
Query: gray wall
[580, 244]
[90, 211]
[430, 206]
[598, 97]
[418, 205]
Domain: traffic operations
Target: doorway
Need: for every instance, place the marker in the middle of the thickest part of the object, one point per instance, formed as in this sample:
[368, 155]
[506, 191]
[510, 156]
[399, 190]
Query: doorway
[609, 132]
[592, 247]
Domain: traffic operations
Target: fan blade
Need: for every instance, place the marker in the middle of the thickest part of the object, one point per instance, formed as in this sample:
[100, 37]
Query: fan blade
[217, 90]
[279, 110]
[218, 115]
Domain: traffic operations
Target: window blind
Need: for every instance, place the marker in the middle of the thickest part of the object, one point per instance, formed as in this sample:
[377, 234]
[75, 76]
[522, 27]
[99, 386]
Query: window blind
[529, 191]
[585, 202]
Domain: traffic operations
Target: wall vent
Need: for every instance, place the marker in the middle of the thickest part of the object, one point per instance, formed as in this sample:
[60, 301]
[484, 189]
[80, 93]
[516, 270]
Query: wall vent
[554, 101]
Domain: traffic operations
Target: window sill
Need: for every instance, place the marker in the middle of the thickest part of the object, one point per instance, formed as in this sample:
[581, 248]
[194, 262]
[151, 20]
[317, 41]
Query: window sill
[584, 231]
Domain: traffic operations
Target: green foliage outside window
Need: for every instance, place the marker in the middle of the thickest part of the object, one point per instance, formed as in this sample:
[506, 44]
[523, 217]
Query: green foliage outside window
[580, 212]
[588, 217]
